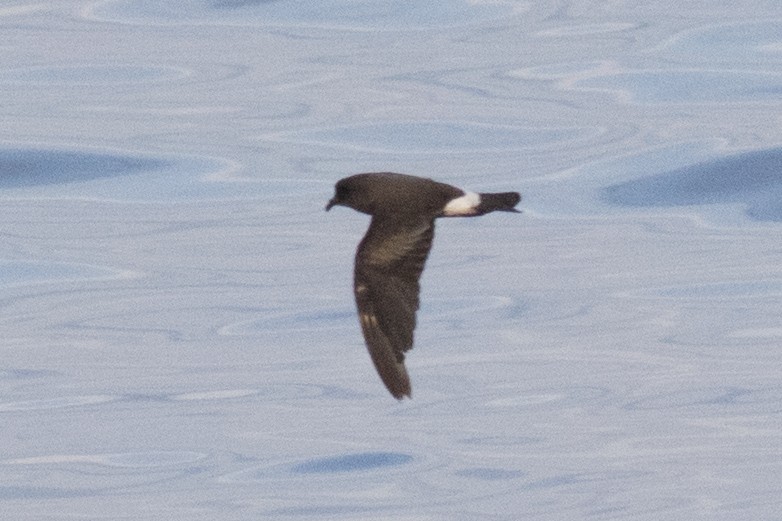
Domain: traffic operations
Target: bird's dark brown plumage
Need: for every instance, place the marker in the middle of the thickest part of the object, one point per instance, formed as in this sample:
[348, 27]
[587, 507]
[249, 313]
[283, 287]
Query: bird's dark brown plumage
[391, 256]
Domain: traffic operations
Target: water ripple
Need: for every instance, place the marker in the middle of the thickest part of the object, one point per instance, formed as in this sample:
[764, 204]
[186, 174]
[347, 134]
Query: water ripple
[139, 460]
[372, 465]
[730, 400]
[22, 273]
[56, 403]
[427, 137]
[367, 15]
[35, 172]
[752, 178]
[514, 399]
[25, 167]
[104, 75]
[745, 44]
[352, 463]
[687, 86]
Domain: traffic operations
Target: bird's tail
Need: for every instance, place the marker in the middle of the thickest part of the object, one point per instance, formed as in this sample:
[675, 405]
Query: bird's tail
[502, 202]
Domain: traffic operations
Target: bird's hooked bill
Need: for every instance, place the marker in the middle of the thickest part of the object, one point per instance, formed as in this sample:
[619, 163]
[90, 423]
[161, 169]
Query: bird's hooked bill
[331, 203]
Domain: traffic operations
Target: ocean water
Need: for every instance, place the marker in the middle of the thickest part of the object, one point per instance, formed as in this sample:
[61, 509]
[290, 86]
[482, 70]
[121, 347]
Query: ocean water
[179, 338]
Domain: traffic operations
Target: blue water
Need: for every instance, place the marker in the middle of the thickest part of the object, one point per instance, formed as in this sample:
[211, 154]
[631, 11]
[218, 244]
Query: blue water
[21, 167]
[178, 325]
[690, 86]
[371, 15]
[752, 178]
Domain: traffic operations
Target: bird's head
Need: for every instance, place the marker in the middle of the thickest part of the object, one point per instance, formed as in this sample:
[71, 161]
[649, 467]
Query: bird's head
[352, 193]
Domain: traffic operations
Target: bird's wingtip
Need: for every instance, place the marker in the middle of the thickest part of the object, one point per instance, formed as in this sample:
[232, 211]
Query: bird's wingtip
[402, 395]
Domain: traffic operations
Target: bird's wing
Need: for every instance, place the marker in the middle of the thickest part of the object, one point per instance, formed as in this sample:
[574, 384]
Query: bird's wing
[389, 262]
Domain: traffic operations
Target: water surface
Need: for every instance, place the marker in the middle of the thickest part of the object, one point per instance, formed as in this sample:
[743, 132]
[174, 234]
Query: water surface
[178, 324]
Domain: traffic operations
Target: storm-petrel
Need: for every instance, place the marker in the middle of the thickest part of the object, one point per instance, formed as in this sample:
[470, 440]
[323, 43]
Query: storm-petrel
[391, 256]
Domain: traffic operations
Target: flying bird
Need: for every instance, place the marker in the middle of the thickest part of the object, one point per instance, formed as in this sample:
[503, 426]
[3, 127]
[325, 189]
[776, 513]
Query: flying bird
[391, 256]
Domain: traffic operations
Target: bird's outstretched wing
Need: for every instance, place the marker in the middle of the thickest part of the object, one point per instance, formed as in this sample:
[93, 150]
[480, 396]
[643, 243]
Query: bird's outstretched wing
[389, 262]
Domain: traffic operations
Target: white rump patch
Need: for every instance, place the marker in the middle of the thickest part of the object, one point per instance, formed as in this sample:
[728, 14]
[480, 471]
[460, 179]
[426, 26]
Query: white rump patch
[464, 205]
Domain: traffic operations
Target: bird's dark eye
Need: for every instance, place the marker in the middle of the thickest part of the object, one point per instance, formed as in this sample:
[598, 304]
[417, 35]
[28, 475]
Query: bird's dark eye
[343, 192]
